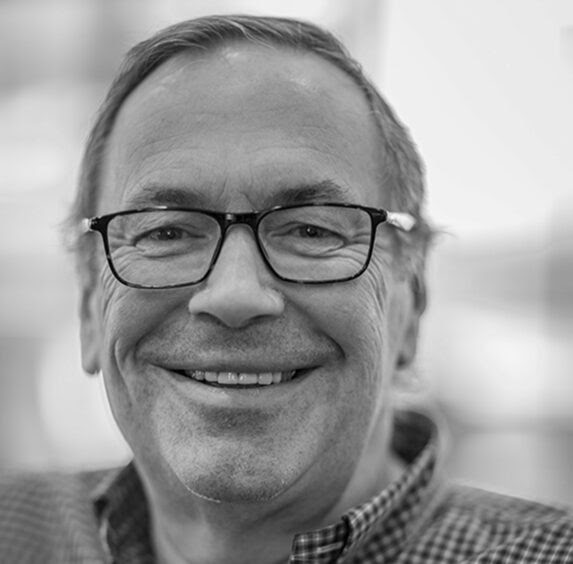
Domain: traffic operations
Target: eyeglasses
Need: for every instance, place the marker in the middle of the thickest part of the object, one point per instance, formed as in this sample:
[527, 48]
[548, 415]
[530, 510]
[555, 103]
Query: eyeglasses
[169, 247]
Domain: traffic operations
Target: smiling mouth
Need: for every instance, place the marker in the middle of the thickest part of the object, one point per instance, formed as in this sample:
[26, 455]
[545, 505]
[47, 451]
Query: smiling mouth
[242, 379]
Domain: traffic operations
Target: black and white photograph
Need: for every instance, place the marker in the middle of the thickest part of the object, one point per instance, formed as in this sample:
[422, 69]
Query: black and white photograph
[372, 359]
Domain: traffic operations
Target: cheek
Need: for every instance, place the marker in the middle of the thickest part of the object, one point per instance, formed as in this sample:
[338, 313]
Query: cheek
[111, 292]
[119, 325]
[119, 316]
[358, 323]
[127, 316]
[380, 313]
[370, 306]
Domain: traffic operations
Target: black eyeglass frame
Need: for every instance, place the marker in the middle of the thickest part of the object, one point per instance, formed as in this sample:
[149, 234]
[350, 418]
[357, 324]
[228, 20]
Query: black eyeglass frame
[403, 221]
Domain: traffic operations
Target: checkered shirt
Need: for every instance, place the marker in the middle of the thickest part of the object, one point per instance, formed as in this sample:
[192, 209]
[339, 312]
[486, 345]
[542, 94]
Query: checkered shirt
[103, 517]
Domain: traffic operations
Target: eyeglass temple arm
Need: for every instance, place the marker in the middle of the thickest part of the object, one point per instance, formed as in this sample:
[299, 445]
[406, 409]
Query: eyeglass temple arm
[403, 221]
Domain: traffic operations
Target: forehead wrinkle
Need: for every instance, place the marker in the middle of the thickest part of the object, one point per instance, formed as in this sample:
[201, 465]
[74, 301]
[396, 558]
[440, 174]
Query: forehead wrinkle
[159, 194]
[149, 151]
[283, 194]
[134, 178]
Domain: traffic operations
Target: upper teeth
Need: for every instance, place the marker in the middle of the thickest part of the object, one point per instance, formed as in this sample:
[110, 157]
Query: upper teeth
[241, 378]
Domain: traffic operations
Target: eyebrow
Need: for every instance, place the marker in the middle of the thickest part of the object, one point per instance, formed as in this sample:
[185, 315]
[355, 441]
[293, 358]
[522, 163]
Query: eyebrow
[323, 191]
[168, 196]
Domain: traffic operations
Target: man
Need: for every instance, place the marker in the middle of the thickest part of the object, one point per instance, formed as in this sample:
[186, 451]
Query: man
[251, 300]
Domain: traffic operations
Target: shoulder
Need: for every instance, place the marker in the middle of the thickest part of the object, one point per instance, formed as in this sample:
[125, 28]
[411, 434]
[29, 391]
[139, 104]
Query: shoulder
[473, 525]
[500, 509]
[34, 495]
[47, 516]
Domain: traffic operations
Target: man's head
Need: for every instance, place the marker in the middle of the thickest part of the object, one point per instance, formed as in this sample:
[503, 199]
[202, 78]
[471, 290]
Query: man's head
[237, 114]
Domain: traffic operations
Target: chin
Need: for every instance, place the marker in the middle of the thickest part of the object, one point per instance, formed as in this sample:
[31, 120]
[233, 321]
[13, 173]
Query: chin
[234, 479]
[232, 471]
[234, 489]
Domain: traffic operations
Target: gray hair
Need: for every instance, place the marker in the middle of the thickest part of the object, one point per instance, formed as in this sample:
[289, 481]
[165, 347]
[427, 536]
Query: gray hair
[401, 164]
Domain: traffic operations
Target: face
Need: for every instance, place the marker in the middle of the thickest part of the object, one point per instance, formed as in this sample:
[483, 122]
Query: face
[239, 129]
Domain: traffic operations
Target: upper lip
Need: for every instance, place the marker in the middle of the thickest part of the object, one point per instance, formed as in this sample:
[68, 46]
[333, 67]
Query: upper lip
[247, 360]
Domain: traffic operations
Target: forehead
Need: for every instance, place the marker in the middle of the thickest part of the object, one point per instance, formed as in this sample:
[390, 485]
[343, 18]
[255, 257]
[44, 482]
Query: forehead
[239, 126]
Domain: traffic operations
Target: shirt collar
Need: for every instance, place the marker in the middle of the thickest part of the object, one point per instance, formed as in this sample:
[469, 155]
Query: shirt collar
[381, 525]
[384, 523]
[121, 509]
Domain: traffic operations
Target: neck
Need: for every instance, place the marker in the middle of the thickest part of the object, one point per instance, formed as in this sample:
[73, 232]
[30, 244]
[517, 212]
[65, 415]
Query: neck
[207, 532]
[201, 542]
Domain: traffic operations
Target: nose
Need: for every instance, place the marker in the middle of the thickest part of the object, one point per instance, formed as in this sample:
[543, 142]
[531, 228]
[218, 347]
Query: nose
[238, 290]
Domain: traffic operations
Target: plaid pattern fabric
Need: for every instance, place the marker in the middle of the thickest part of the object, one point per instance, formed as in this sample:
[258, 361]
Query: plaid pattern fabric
[122, 513]
[103, 517]
[48, 519]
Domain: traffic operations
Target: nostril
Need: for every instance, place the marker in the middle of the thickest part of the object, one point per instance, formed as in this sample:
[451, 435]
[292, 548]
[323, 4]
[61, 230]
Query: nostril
[236, 305]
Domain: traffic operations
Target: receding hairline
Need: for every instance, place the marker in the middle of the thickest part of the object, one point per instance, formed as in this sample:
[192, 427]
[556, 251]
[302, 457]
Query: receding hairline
[189, 60]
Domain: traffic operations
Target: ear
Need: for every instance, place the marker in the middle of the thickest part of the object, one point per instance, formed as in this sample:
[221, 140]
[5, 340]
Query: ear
[410, 336]
[90, 327]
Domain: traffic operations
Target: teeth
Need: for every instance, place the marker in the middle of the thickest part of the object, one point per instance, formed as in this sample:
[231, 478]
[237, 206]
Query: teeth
[241, 378]
[211, 376]
[247, 379]
[266, 378]
[228, 378]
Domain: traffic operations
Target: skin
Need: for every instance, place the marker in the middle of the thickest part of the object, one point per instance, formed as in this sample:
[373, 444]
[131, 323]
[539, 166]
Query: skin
[232, 475]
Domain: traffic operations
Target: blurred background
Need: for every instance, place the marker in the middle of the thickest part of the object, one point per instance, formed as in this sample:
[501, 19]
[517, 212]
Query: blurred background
[486, 88]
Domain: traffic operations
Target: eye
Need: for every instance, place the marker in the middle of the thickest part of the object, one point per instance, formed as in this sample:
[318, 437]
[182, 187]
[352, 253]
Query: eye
[299, 233]
[166, 234]
[312, 231]
[169, 239]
